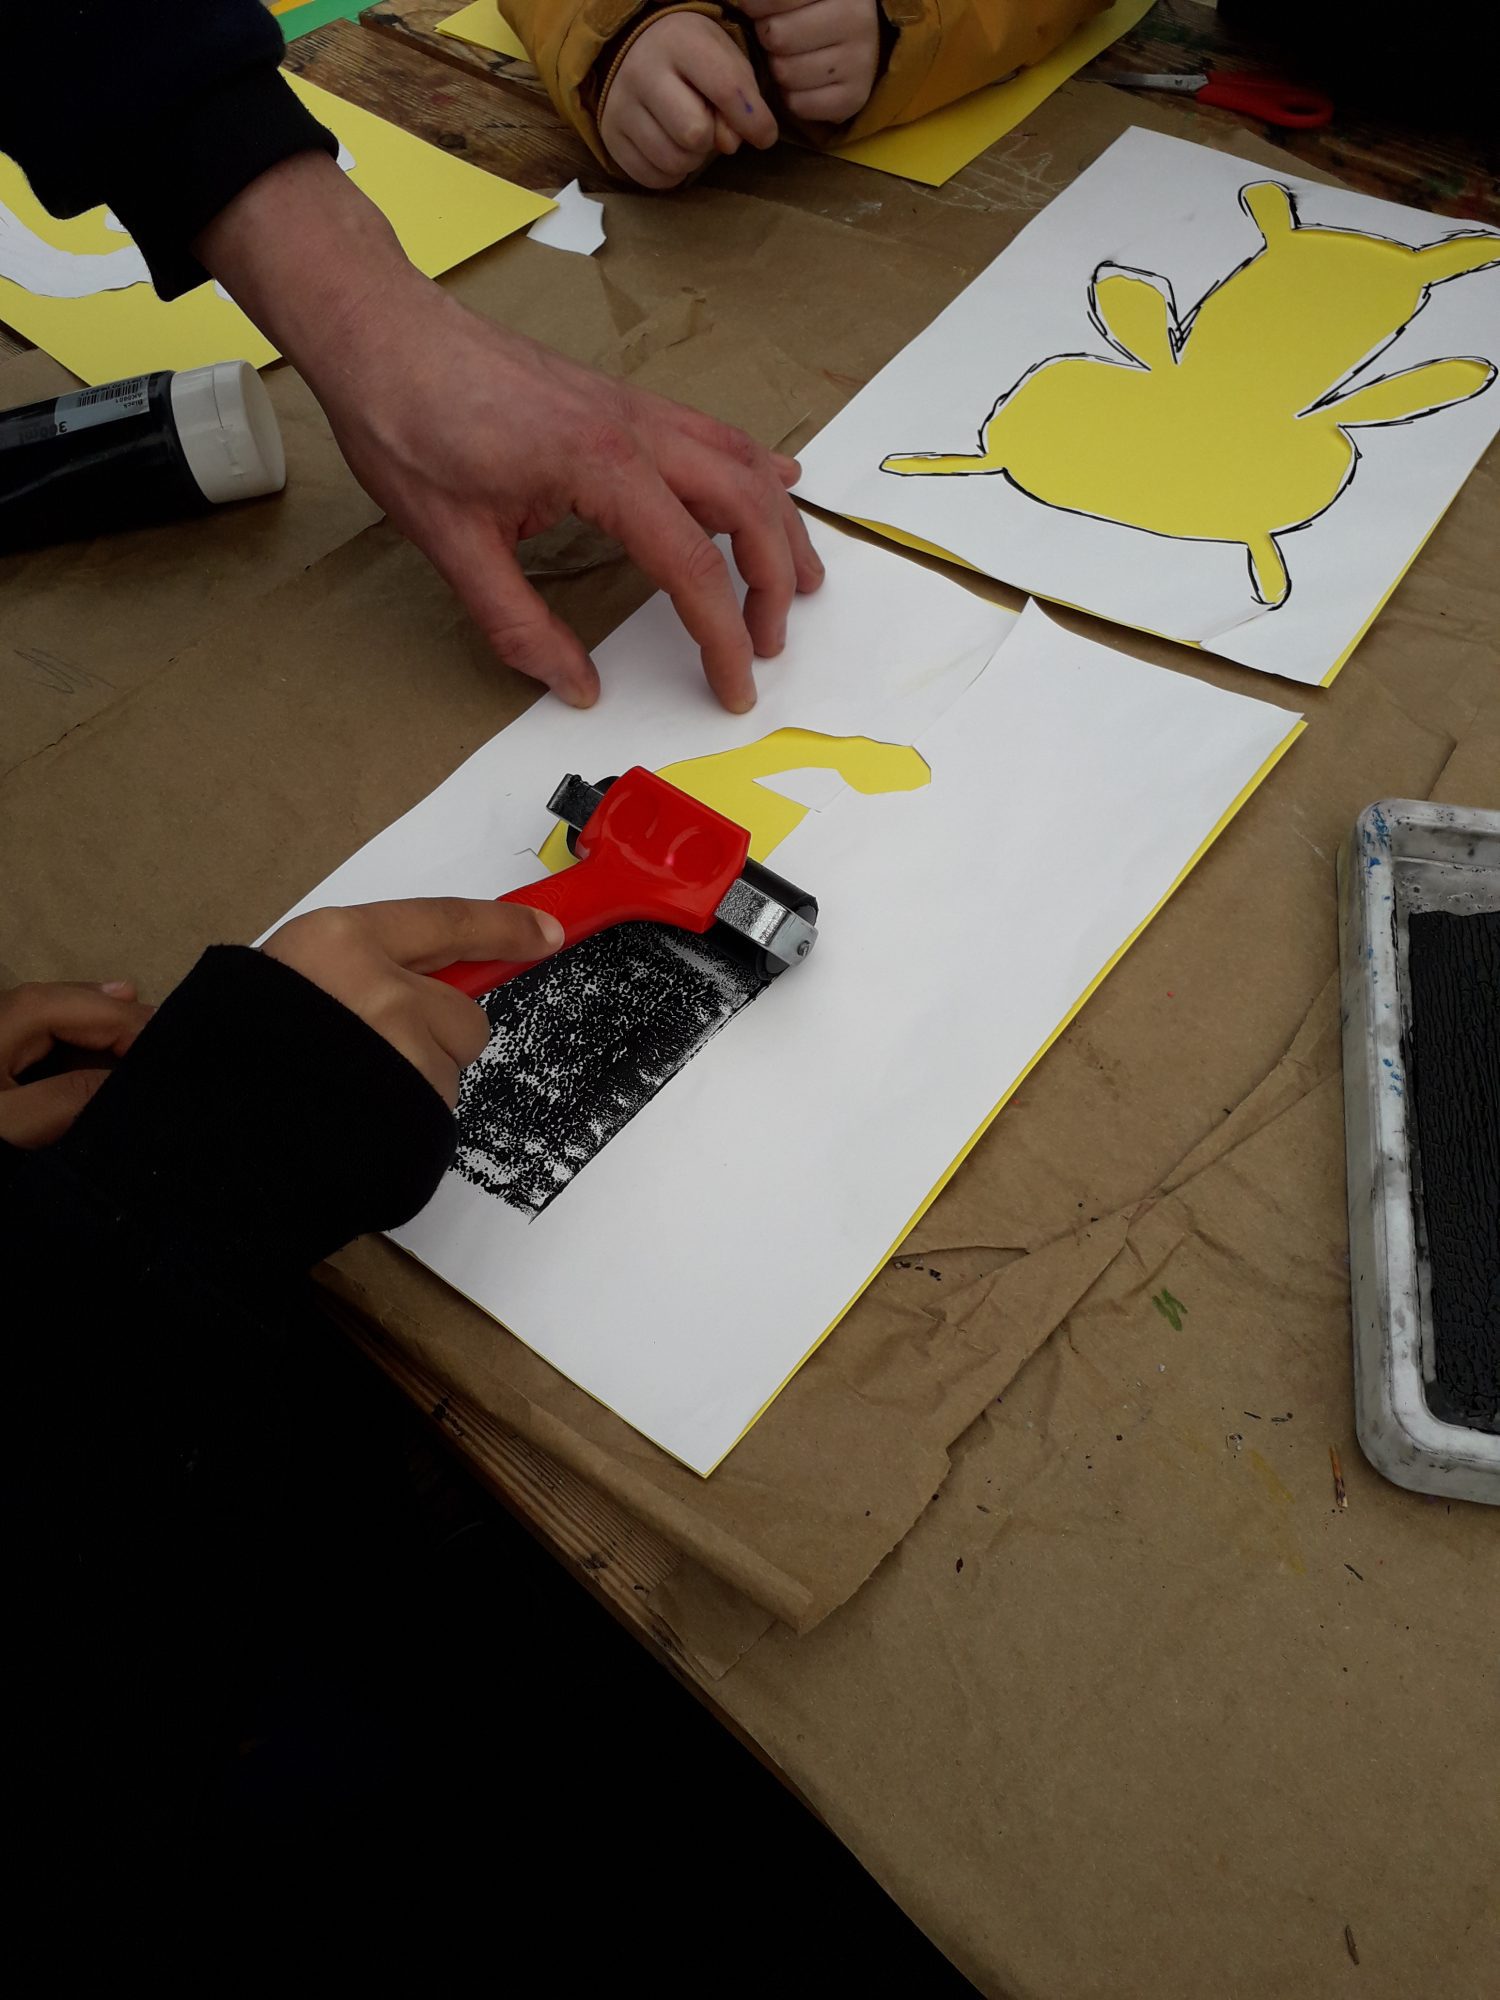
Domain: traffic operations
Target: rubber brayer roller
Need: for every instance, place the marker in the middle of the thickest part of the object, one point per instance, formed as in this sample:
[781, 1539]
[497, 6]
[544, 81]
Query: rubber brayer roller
[648, 852]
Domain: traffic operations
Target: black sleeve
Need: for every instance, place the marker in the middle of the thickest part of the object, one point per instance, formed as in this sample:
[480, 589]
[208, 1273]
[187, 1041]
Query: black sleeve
[163, 110]
[156, 1333]
[255, 1126]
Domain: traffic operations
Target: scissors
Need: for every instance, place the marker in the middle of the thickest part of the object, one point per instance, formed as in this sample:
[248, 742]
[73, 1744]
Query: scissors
[1291, 106]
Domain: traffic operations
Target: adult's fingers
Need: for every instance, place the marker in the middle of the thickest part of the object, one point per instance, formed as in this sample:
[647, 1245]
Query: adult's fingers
[475, 560]
[425, 932]
[712, 431]
[725, 496]
[657, 414]
[737, 449]
[34, 1017]
[37, 1114]
[660, 535]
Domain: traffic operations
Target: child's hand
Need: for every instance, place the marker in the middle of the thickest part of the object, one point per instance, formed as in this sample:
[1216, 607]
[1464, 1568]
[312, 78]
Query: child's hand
[372, 958]
[38, 1021]
[824, 54]
[683, 93]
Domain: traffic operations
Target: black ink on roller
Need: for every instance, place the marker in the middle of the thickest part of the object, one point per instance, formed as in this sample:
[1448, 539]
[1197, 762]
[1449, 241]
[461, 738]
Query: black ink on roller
[1420, 955]
[127, 454]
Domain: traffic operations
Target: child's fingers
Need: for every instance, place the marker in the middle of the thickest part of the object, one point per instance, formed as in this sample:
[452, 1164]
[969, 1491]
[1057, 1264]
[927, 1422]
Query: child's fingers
[726, 139]
[725, 79]
[425, 932]
[686, 118]
[815, 69]
[38, 1114]
[34, 1018]
[829, 105]
[631, 161]
[821, 24]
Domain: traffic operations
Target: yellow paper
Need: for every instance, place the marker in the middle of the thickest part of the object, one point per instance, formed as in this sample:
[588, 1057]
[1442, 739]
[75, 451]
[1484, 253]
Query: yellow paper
[486, 27]
[730, 782]
[443, 210]
[932, 149]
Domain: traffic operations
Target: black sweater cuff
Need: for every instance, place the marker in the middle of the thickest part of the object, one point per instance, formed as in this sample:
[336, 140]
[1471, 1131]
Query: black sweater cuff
[198, 157]
[258, 1123]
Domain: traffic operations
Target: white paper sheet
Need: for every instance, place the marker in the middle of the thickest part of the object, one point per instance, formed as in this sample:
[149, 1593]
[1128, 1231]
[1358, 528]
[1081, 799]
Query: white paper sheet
[577, 222]
[692, 1265]
[1171, 215]
[26, 259]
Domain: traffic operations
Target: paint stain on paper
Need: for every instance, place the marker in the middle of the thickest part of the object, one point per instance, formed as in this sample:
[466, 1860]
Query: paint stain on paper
[580, 1044]
[1231, 422]
[1171, 1310]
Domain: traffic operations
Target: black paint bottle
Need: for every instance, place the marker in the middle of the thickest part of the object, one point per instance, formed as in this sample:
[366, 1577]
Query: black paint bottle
[152, 448]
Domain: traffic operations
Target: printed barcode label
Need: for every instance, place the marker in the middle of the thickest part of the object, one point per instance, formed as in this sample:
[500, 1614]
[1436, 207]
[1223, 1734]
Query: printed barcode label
[103, 405]
[118, 392]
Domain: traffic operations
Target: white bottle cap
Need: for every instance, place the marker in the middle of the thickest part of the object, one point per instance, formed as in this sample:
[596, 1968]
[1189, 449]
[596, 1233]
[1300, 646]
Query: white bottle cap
[228, 431]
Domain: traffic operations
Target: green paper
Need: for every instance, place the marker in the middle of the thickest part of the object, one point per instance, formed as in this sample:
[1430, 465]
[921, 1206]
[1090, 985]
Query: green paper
[317, 14]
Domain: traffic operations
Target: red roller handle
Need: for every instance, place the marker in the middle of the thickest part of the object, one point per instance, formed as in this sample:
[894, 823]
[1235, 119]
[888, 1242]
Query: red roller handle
[648, 851]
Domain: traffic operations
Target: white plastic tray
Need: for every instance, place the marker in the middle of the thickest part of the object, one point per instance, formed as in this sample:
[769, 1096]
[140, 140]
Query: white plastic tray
[1404, 855]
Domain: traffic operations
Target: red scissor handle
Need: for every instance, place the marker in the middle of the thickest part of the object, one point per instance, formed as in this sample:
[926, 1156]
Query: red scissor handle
[1291, 106]
[647, 851]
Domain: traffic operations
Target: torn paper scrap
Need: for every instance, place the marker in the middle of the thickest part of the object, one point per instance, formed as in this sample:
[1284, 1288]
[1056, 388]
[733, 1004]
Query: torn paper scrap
[577, 223]
[34, 265]
[672, 1187]
[1200, 399]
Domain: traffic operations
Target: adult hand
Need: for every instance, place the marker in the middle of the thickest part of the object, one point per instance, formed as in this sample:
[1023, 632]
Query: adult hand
[683, 93]
[372, 957]
[824, 54]
[472, 438]
[35, 1020]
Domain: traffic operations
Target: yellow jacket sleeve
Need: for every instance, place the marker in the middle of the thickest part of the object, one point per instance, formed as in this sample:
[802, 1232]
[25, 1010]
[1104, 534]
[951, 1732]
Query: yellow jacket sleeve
[943, 49]
[576, 46]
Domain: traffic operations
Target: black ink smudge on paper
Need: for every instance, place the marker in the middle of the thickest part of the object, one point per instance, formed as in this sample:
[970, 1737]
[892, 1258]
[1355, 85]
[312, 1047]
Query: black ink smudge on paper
[582, 1043]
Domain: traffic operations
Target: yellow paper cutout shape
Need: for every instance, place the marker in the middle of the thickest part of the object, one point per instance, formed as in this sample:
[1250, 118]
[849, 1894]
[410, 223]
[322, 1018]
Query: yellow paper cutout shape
[729, 781]
[442, 209]
[1233, 424]
[486, 27]
[932, 149]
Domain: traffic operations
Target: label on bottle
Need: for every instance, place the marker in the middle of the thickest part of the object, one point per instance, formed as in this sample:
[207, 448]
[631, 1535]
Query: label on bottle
[78, 411]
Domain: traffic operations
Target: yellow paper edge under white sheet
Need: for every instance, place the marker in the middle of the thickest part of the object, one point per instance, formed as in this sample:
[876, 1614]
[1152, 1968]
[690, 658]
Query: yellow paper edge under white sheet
[486, 27]
[1088, 992]
[932, 149]
[443, 209]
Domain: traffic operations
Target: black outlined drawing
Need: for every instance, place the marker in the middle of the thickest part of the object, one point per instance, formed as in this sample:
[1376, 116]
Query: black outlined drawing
[1232, 423]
